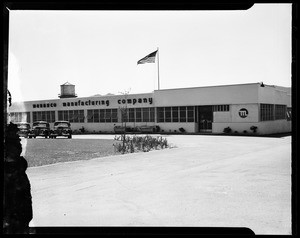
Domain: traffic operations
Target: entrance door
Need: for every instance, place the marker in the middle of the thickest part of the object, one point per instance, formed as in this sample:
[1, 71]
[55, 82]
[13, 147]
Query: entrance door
[205, 115]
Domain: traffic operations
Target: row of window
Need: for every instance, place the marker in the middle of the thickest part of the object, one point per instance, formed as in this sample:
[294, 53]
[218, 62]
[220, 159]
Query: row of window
[164, 114]
[175, 114]
[48, 116]
[20, 117]
[269, 112]
[220, 108]
[138, 114]
[71, 115]
[102, 115]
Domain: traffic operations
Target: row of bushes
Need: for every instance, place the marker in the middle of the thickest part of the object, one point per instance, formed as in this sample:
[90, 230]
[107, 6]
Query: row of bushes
[229, 130]
[127, 144]
[134, 130]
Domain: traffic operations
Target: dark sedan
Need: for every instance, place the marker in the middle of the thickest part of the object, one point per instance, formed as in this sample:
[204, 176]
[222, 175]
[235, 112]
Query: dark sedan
[24, 128]
[61, 128]
[39, 128]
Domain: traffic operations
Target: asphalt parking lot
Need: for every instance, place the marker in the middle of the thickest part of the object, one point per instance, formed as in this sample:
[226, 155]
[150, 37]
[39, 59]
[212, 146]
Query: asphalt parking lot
[204, 181]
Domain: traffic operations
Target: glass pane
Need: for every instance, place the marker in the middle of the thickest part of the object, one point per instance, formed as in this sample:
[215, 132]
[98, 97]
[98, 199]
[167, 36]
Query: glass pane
[107, 115]
[152, 114]
[102, 115]
[138, 115]
[96, 115]
[146, 117]
[182, 114]
[90, 117]
[168, 114]
[175, 114]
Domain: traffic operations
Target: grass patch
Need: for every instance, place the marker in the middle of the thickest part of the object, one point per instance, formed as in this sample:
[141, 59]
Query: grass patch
[42, 151]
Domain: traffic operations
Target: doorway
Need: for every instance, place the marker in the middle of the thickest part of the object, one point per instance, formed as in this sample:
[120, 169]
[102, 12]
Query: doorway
[205, 118]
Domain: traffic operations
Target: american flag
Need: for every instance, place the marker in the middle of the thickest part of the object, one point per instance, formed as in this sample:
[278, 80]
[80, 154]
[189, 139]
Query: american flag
[148, 59]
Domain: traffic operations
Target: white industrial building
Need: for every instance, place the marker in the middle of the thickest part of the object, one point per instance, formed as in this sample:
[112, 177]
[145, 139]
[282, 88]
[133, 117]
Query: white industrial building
[242, 108]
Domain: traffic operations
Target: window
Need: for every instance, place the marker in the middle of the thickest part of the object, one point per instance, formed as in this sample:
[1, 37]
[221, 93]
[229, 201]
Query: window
[131, 115]
[266, 112]
[80, 116]
[182, 114]
[190, 114]
[221, 108]
[114, 115]
[138, 114]
[73, 116]
[152, 114]
[175, 114]
[102, 115]
[168, 114]
[90, 116]
[160, 114]
[96, 115]
[66, 116]
[280, 112]
[43, 116]
[20, 117]
[48, 116]
[146, 116]
[107, 115]
[60, 115]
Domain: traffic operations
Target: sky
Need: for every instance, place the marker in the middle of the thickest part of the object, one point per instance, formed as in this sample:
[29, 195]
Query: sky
[97, 51]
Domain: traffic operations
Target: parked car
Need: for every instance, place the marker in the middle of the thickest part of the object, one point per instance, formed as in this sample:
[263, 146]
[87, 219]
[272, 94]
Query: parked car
[121, 129]
[61, 128]
[149, 129]
[39, 128]
[24, 128]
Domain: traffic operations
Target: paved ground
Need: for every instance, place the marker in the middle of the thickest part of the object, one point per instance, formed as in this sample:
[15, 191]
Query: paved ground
[204, 181]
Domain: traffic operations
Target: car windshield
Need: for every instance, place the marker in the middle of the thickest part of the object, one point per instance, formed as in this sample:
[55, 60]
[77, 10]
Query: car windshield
[61, 124]
[23, 126]
[41, 125]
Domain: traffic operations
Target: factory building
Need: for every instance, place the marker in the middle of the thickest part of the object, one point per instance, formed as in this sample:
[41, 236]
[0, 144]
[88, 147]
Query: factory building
[242, 108]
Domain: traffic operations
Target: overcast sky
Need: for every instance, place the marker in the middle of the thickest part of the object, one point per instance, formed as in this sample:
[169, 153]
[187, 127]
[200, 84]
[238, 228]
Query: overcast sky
[97, 51]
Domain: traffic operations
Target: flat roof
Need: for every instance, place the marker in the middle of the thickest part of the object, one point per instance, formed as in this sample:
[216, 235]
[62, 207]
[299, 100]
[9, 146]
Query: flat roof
[225, 85]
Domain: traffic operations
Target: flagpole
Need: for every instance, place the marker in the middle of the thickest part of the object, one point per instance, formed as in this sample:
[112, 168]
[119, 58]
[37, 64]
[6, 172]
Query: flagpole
[158, 67]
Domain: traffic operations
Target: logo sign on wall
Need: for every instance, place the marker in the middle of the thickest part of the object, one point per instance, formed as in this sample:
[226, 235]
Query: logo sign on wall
[243, 112]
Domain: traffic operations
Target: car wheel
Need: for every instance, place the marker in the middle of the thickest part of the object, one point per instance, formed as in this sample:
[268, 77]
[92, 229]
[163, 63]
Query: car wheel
[70, 136]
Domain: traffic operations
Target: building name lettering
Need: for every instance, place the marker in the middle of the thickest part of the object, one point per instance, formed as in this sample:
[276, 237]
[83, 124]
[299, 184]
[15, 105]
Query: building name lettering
[86, 103]
[135, 100]
[132, 101]
[43, 105]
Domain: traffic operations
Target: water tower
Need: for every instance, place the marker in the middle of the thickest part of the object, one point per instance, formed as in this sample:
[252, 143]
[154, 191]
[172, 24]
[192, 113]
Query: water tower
[67, 90]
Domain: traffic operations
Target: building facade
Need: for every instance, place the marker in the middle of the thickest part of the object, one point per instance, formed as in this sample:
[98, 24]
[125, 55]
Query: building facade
[243, 108]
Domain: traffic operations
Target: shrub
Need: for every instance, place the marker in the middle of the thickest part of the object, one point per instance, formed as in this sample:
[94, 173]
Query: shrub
[253, 128]
[227, 130]
[139, 143]
[182, 130]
